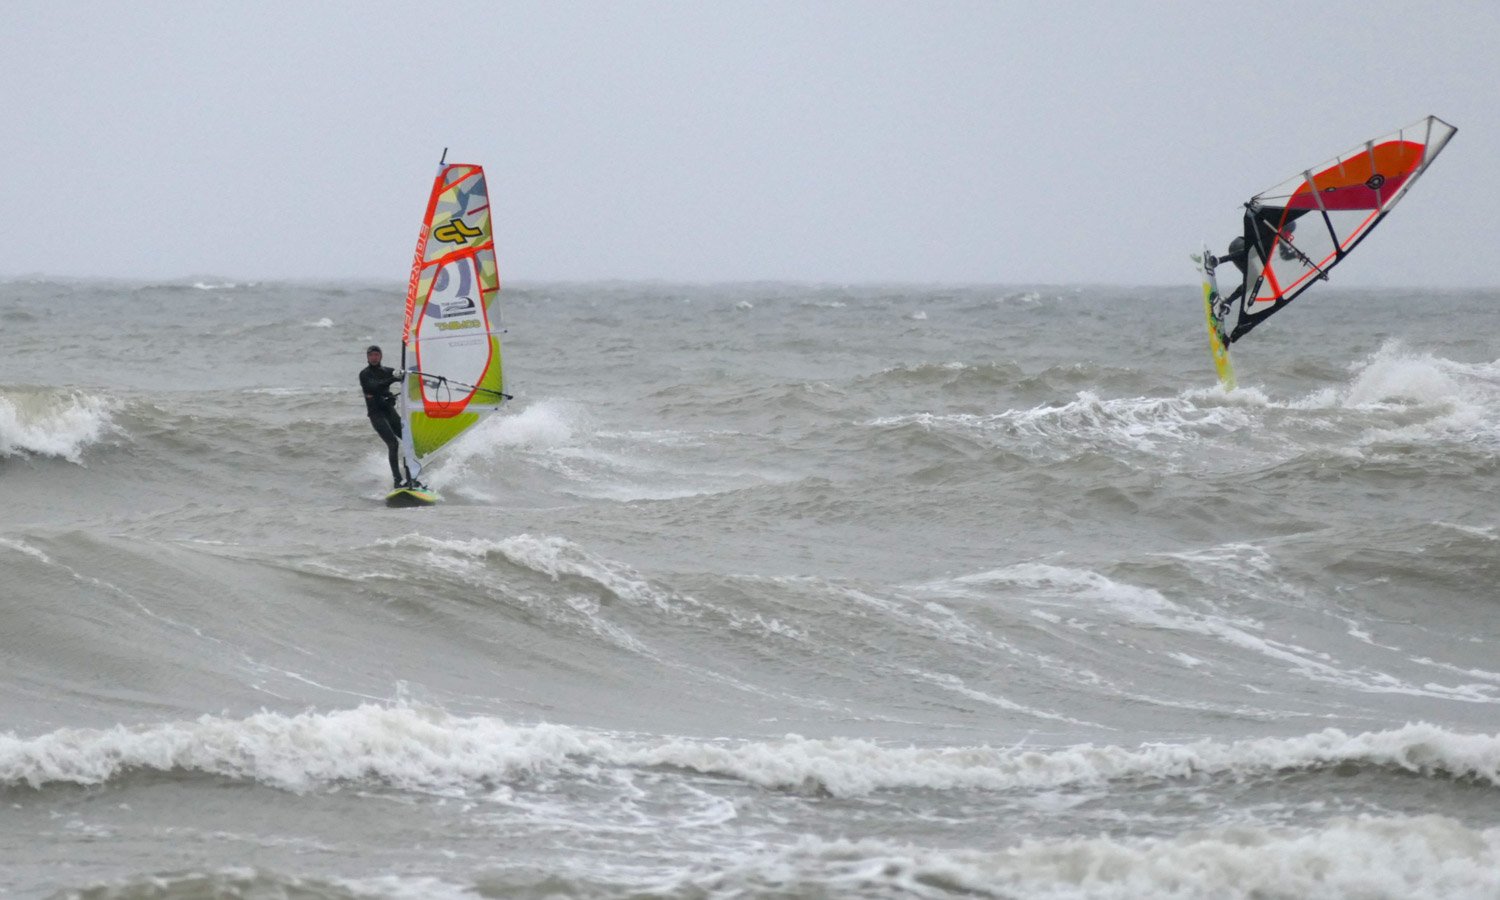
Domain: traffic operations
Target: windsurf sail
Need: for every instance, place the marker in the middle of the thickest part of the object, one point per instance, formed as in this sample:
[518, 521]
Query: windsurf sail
[450, 343]
[1298, 231]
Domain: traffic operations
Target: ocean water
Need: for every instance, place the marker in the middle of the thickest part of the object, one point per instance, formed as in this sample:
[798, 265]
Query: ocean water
[755, 590]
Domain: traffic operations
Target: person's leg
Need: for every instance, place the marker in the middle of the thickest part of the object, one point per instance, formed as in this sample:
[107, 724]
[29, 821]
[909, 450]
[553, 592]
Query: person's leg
[395, 419]
[382, 425]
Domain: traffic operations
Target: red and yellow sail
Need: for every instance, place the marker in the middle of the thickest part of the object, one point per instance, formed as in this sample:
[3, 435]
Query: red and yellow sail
[451, 336]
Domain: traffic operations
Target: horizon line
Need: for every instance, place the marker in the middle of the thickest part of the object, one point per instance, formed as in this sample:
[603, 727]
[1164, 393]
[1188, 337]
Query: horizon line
[400, 282]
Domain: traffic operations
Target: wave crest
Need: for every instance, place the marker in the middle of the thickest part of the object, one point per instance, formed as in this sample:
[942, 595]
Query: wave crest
[1367, 856]
[60, 424]
[428, 749]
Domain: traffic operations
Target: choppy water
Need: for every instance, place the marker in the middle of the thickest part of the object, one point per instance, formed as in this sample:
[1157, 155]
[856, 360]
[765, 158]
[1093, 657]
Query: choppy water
[756, 591]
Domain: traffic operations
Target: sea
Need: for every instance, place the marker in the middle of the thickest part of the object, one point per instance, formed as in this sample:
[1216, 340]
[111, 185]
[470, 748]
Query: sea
[754, 590]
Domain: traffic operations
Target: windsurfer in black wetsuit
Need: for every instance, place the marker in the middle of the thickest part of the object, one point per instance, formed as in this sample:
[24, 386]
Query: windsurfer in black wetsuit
[376, 380]
[1268, 234]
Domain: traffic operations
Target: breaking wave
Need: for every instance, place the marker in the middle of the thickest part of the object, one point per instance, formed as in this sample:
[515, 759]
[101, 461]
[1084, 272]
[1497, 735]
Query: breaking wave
[1427, 856]
[52, 423]
[429, 749]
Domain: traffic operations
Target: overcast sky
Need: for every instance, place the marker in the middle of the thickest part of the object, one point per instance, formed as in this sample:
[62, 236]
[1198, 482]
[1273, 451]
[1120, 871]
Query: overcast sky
[843, 141]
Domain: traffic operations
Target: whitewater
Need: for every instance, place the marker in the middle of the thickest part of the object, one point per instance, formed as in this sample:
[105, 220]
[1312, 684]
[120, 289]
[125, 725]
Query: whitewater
[755, 590]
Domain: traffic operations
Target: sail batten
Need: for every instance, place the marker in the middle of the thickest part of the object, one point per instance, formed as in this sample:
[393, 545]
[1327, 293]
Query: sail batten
[451, 334]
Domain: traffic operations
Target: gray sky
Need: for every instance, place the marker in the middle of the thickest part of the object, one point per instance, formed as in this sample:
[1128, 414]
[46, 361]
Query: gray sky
[846, 140]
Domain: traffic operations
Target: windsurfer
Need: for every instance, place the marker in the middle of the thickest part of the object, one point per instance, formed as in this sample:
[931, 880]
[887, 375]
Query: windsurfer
[1239, 254]
[380, 404]
[1239, 248]
[1236, 254]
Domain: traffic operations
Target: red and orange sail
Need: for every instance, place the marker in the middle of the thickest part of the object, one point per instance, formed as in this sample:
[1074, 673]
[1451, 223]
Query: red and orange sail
[1299, 230]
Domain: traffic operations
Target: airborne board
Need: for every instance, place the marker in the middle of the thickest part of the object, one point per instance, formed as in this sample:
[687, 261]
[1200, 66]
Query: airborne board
[1213, 309]
[450, 342]
[1296, 232]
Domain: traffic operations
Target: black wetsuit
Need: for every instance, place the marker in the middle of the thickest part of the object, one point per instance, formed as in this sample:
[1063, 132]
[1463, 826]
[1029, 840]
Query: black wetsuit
[1264, 229]
[380, 404]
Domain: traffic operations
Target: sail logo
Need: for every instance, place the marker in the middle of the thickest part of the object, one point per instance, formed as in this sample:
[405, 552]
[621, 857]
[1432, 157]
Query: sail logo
[455, 232]
[452, 309]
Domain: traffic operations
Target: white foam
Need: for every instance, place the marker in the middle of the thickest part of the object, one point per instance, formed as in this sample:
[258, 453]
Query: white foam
[666, 437]
[1458, 403]
[406, 887]
[1393, 374]
[260, 882]
[1454, 402]
[428, 749]
[542, 425]
[1364, 857]
[549, 555]
[558, 558]
[26, 549]
[324, 322]
[60, 425]
[1250, 397]
[297, 391]
[1140, 424]
[1407, 397]
[1098, 595]
[560, 436]
[1241, 560]
[956, 685]
[546, 555]
[1486, 532]
[849, 767]
[398, 746]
